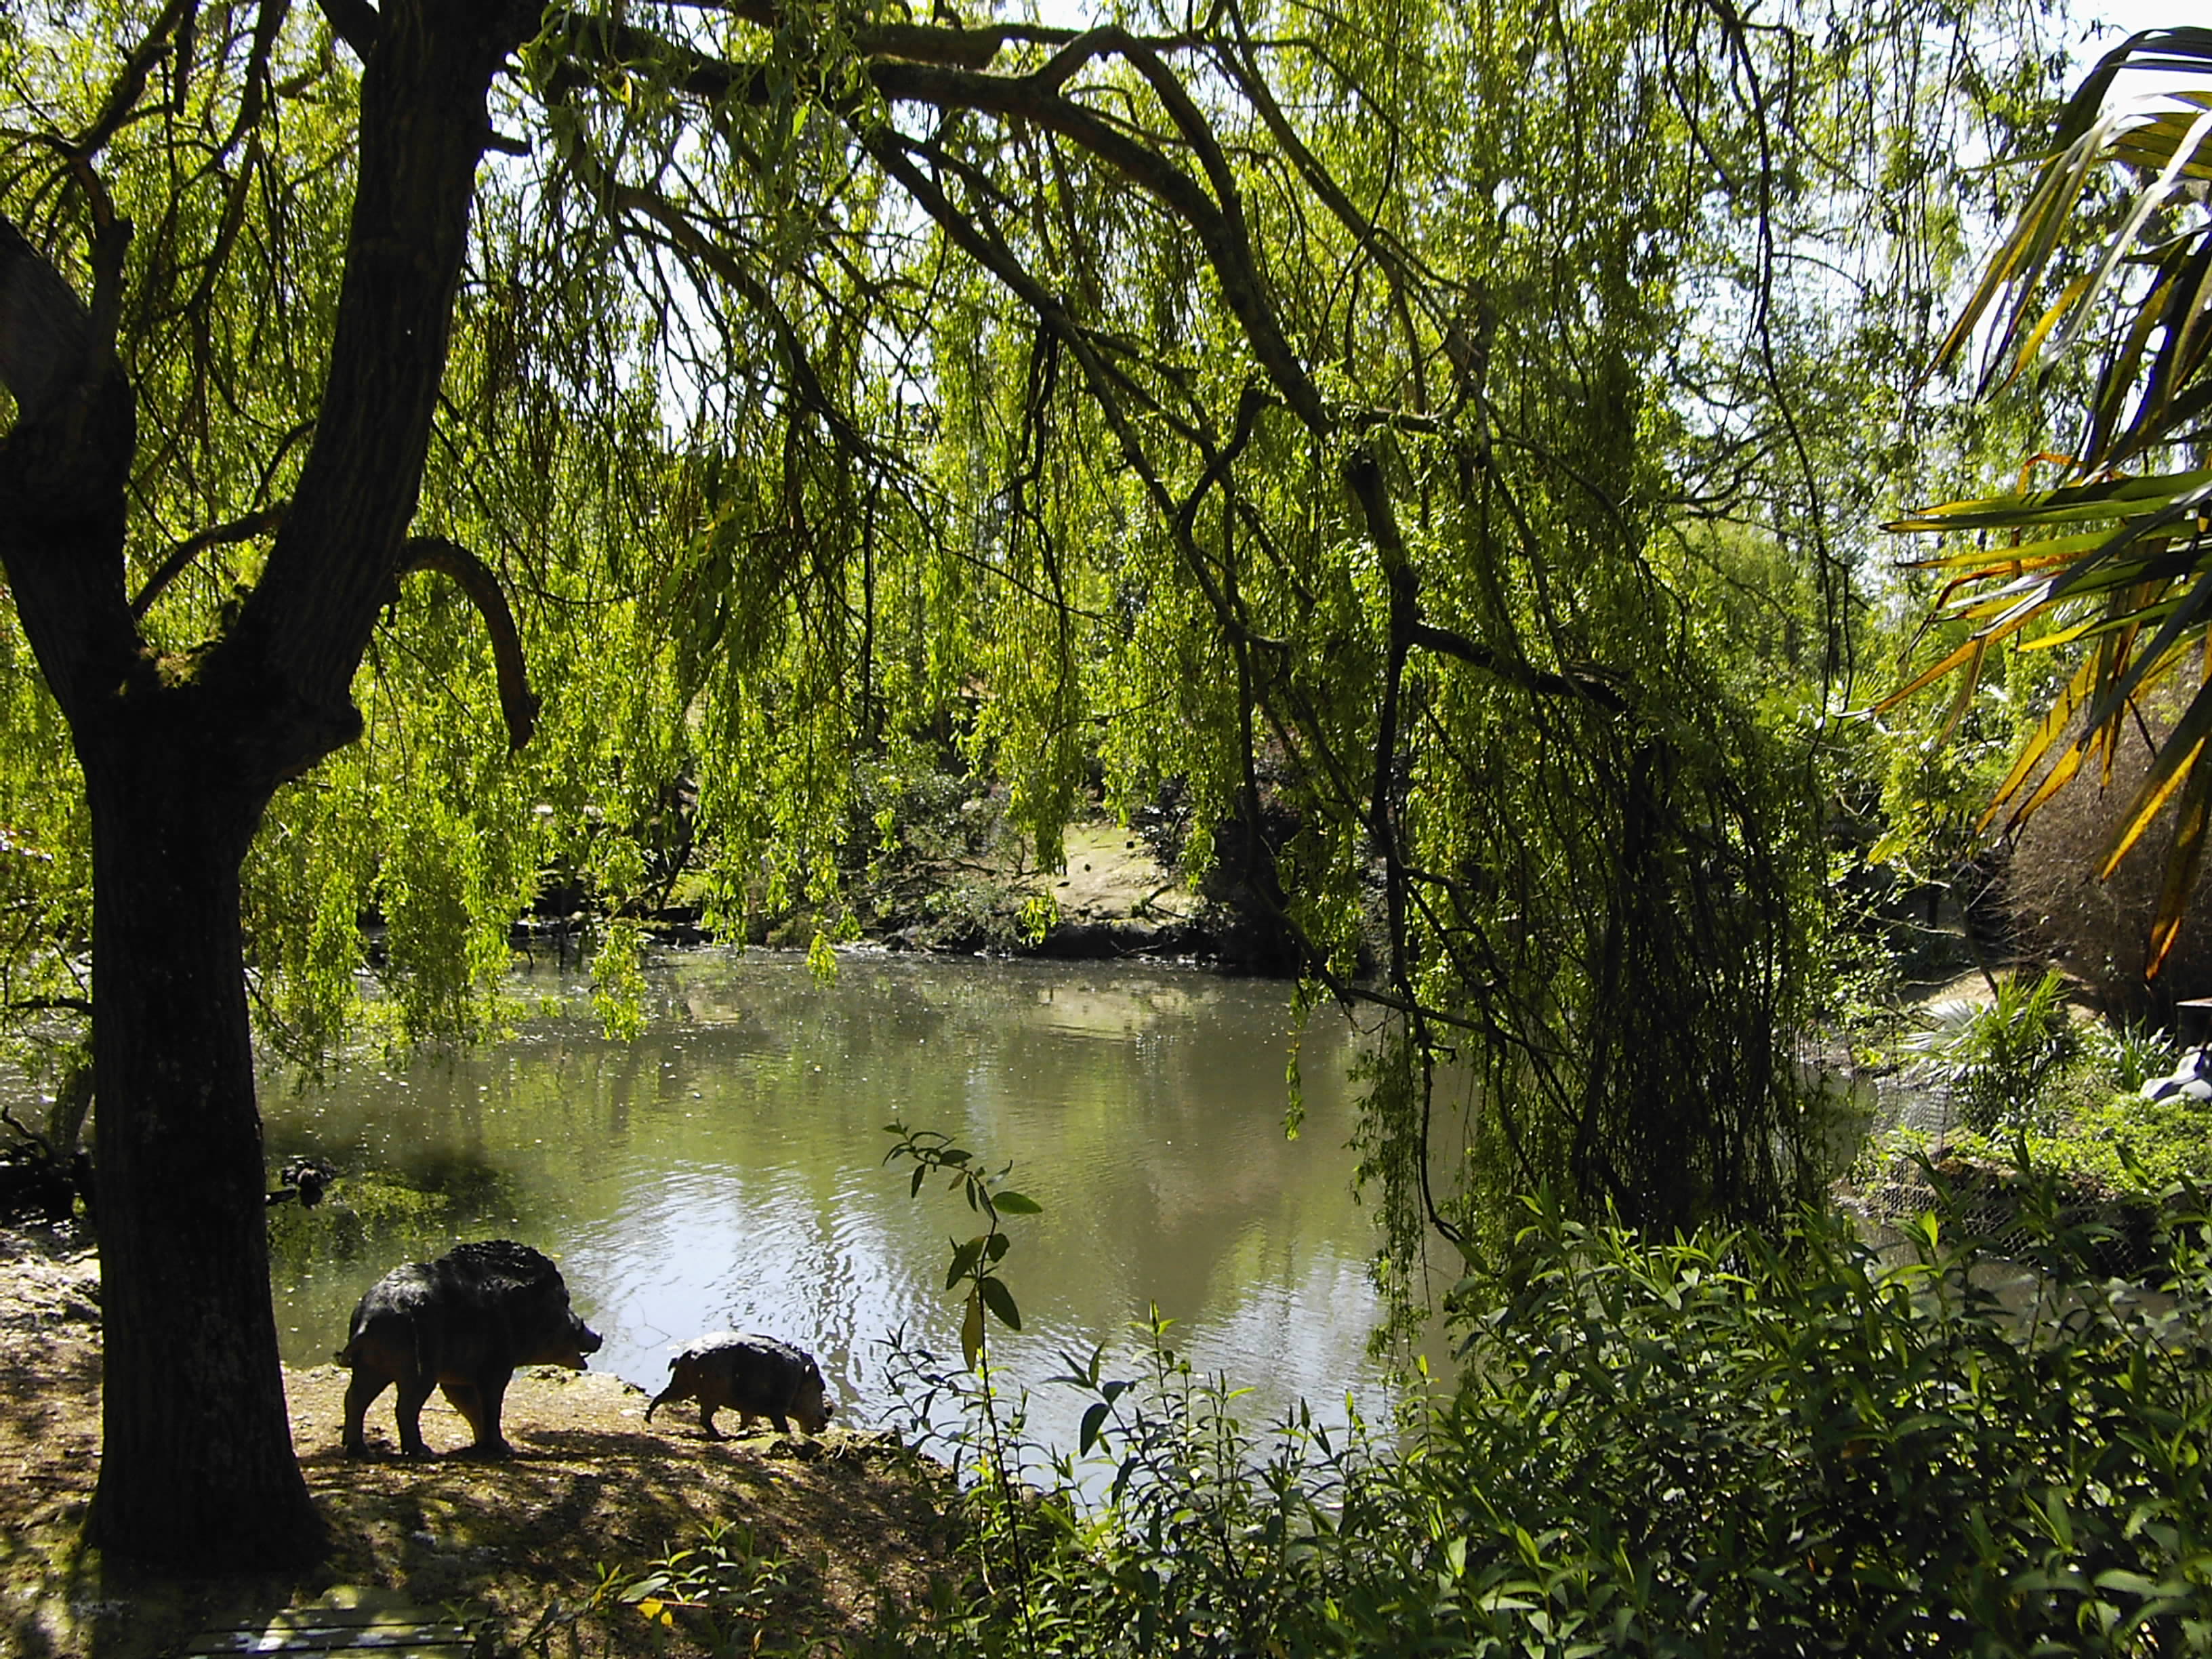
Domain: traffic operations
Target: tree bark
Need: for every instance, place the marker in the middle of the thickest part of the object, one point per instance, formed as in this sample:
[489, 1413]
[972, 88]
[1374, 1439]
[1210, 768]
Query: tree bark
[197, 1465]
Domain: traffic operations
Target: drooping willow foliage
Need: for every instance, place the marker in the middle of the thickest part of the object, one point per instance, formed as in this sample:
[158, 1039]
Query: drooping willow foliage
[1447, 430]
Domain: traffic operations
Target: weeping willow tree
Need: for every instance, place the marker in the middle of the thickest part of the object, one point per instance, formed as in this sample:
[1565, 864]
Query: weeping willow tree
[439, 428]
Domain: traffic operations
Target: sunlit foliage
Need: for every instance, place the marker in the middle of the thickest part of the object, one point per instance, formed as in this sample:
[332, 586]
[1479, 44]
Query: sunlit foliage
[1439, 428]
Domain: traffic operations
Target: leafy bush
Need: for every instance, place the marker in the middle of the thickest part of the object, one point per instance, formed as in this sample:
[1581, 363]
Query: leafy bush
[1996, 1057]
[2101, 1141]
[1718, 1445]
[721, 1589]
[2128, 1056]
[2083, 1123]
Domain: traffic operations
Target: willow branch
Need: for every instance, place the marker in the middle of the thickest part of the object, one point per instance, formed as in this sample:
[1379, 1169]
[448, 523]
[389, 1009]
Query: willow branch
[182, 554]
[901, 74]
[1219, 227]
[517, 701]
[1586, 685]
[685, 235]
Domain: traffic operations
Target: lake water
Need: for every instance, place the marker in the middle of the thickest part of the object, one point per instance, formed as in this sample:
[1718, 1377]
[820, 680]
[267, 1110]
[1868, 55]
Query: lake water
[727, 1171]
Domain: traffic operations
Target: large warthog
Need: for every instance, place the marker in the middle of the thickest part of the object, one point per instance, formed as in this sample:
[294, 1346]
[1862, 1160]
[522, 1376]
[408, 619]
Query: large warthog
[461, 1323]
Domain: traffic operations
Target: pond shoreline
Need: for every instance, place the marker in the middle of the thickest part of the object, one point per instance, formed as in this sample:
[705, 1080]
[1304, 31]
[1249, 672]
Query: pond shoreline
[1111, 900]
[724, 1167]
[849, 1523]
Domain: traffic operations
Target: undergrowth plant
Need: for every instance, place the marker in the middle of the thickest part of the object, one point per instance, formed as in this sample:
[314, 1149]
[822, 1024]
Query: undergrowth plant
[1725, 1445]
[1996, 1057]
[1173, 1528]
[975, 1265]
[1720, 1444]
[720, 1590]
[718, 1594]
[2084, 1122]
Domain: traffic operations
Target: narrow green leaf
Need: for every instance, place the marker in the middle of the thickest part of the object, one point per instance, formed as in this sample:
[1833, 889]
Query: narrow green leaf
[1001, 1300]
[971, 1330]
[964, 1257]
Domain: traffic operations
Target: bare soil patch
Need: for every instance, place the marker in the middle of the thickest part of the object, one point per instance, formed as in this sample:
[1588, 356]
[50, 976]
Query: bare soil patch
[858, 1522]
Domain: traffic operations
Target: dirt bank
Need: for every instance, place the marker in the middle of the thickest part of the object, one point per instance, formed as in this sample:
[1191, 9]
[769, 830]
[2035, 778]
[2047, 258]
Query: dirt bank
[822, 1532]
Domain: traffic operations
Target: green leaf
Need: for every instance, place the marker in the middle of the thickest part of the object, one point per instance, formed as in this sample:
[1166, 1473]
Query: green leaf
[1002, 1302]
[2131, 1583]
[965, 1258]
[1015, 1204]
[971, 1329]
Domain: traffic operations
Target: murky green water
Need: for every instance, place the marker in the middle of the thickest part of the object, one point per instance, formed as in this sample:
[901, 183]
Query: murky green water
[728, 1169]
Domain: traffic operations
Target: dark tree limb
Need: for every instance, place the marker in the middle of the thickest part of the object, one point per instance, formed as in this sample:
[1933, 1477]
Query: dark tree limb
[517, 701]
[354, 22]
[1583, 683]
[181, 556]
[424, 127]
[46, 333]
[30, 1135]
[64, 468]
[948, 44]
[50, 1005]
[123, 96]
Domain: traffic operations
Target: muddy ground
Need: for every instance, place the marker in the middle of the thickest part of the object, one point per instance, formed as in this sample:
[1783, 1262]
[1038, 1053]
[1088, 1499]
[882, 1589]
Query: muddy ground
[827, 1534]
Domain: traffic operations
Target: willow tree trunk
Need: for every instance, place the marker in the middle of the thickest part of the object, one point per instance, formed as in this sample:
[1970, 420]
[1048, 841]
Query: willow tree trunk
[197, 1460]
[181, 756]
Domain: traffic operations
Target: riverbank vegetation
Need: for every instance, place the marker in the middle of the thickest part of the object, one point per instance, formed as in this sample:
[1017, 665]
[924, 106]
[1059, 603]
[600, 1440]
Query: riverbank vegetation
[1730, 1442]
[771, 468]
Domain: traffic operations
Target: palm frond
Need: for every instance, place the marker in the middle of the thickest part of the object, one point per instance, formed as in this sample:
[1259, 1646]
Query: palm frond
[2117, 559]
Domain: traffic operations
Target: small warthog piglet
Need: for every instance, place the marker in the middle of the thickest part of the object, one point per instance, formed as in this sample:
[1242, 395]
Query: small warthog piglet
[752, 1376]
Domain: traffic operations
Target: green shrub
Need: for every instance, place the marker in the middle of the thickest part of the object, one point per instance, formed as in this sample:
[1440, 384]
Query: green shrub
[1724, 1446]
[2117, 1142]
[721, 1589]
[1718, 1445]
[1996, 1057]
[2086, 1125]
